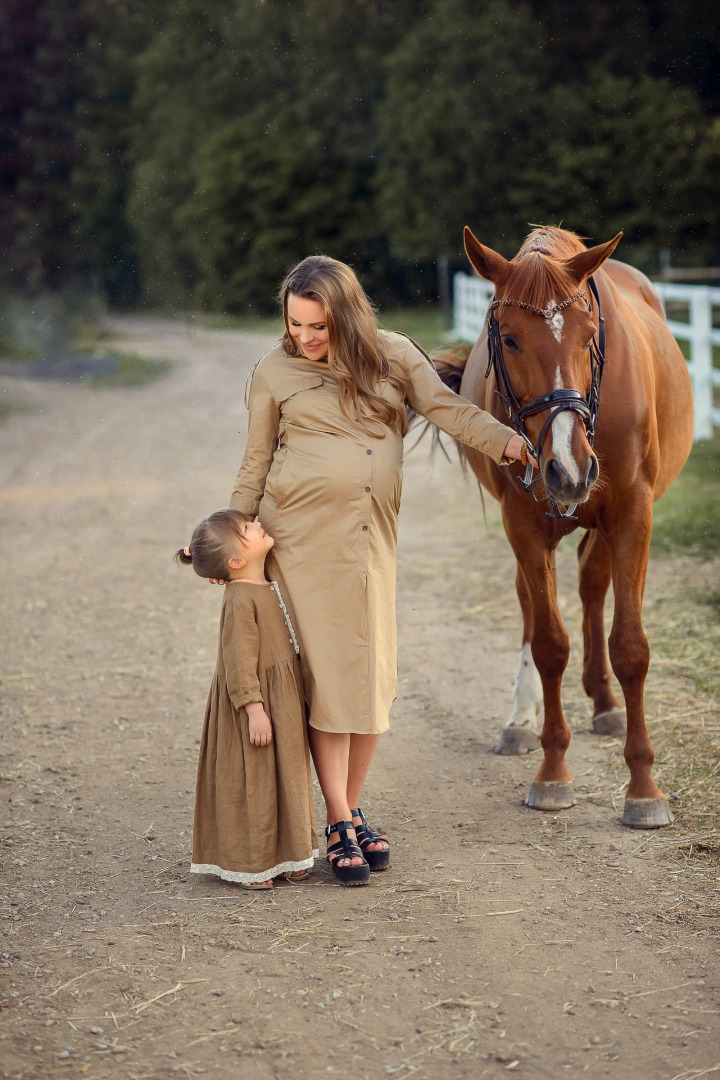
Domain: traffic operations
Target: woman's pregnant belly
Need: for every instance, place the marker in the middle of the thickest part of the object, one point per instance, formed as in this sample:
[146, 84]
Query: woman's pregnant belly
[318, 471]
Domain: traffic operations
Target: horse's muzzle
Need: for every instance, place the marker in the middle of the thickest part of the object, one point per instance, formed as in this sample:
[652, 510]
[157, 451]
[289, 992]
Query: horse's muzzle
[564, 488]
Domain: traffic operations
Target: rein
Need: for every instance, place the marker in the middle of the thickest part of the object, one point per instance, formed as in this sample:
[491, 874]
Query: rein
[556, 401]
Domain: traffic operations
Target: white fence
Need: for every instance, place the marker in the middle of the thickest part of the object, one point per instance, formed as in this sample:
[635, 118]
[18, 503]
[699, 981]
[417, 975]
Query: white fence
[471, 300]
[473, 295]
[699, 332]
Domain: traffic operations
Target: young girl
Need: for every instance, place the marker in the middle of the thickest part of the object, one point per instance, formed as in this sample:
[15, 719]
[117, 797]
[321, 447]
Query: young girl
[254, 817]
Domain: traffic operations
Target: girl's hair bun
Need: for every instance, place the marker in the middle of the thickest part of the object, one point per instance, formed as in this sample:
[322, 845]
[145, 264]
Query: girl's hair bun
[213, 542]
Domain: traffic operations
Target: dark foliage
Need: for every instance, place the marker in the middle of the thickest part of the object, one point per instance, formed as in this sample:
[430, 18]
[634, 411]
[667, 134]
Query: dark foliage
[185, 154]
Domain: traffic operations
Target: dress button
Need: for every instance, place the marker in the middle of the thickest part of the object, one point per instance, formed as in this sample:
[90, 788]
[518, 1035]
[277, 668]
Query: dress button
[365, 528]
[367, 489]
[368, 451]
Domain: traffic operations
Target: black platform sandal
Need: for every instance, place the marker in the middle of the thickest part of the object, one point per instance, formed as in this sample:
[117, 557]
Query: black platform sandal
[346, 849]
[379, 859]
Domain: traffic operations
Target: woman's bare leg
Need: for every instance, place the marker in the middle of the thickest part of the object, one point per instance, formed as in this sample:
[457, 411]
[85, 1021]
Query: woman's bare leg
[362, 750]
[331, 757]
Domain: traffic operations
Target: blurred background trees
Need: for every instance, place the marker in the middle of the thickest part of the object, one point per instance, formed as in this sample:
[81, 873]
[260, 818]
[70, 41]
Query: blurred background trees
[185, 154]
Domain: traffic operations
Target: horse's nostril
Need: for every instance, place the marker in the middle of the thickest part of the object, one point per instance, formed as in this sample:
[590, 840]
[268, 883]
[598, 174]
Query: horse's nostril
[554, 474]
[556, 478]
[592, 471]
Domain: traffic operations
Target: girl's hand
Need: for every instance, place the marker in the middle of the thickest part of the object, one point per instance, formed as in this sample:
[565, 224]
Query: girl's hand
[217, 581]
[259, 724]
[517, 450]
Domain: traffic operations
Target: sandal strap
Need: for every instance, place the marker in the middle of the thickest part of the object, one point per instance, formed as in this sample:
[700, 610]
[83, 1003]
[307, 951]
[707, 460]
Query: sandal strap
[345, 848]
[365, 833]
[344, 851]
[340, 827]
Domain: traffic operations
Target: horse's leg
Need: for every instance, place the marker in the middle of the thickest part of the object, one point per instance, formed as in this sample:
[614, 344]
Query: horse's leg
[595, 572]
[519, 736]
[552, 788]
[645, 805]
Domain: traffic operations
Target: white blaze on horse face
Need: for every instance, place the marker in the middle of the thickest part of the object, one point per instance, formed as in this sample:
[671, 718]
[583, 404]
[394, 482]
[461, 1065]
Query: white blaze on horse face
[528, 695]
[562, 429]
[556, 323]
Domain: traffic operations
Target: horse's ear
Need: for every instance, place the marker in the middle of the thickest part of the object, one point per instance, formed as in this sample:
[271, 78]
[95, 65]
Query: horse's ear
[487, 262]
[585, 264]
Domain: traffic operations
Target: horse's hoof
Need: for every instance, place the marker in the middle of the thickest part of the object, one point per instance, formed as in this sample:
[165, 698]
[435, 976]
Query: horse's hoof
[647, 813]
[517, 740]
[612, 722]
[551, 795]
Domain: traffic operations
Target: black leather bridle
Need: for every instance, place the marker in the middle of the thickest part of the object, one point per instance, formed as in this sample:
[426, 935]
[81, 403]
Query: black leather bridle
[556, 401]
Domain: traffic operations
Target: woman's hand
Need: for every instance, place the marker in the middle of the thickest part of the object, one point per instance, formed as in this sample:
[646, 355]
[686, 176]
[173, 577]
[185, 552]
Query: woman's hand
[517, 450]
[217, 581]
[259, 724]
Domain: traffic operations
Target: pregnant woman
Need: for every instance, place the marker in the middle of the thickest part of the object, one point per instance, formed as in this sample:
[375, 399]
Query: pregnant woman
[323, 471]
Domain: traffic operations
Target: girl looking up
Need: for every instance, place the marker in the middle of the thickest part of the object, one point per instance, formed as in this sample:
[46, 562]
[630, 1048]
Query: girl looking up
[254, 817]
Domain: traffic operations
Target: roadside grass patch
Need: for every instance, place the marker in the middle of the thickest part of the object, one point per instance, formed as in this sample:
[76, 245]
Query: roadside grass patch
[129, 369]
[687, 517]
[7, 408]
[425, 325]
[712, 600]
[91, 369]
[265, 325]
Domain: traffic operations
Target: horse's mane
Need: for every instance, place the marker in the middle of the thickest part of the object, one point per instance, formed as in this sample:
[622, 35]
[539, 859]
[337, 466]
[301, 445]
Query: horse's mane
[538, 273]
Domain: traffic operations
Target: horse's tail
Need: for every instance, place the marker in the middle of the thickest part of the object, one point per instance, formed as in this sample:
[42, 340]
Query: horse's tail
[449, 360]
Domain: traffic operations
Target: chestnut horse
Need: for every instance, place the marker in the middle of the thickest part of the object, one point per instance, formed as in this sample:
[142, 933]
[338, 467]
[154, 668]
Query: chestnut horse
[610, 436]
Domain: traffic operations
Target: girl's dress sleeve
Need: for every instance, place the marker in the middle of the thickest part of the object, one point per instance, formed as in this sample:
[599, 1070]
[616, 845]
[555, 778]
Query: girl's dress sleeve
[455, 415]
[240, 652]
[263, 431]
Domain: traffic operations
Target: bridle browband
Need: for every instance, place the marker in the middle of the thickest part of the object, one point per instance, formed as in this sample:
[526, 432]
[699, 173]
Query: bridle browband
[556, 401]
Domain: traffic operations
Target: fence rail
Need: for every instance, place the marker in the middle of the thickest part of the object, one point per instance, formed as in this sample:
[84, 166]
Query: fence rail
[472, 296]
[702, 336]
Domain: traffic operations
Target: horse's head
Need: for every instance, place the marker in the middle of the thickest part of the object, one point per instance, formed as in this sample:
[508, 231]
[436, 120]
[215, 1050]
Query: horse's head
[543, 329]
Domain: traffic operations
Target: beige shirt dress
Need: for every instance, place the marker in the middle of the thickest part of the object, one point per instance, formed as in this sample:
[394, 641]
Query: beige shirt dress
[329, 494]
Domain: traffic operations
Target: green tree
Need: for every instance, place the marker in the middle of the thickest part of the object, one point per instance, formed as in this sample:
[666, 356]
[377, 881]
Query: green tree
[189, 152]
[113, 35]
[41, 79]
[477, 130]
[667, 39]
[261, 147]
[188, 81]
[65, 81]
[462, 116]
[630, 154]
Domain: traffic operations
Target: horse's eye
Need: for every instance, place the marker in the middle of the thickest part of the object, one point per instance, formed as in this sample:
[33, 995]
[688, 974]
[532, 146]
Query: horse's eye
[510, 343]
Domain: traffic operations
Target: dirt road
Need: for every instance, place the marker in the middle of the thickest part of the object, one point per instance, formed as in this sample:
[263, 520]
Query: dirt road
[502, 941]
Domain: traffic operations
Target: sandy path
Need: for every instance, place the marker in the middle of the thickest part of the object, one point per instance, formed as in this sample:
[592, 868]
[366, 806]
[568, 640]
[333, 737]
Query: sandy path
[501, 941]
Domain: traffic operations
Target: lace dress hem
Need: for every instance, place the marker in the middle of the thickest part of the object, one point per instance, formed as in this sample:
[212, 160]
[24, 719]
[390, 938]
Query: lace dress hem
[250, 879]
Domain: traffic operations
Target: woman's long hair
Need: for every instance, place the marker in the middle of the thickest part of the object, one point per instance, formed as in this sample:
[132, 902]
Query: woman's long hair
[354, 355]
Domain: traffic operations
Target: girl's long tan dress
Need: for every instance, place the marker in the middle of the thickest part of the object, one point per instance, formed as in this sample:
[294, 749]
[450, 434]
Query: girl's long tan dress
[330, 494]
[254, 816]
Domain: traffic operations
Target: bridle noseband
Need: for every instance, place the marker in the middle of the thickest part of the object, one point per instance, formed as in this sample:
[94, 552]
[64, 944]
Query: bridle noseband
[556, 401]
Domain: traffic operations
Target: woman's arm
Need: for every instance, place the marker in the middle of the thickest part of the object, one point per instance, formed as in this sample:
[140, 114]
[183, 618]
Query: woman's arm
[428, 396]
[263, 429]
